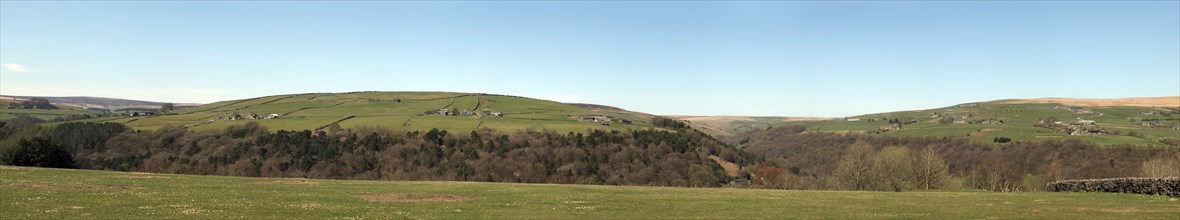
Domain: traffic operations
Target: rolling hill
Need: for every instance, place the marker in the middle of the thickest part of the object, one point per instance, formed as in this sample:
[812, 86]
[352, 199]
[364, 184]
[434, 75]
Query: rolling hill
[723, 126]
[397, 111]
[79, 105]
[99, 102]
[1139, 121]
[213, 145]
[44, 114]
[1162, 101]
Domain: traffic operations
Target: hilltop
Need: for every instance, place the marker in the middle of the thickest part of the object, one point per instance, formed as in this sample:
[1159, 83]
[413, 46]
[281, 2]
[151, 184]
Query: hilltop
[456, 112]
[1162, 101]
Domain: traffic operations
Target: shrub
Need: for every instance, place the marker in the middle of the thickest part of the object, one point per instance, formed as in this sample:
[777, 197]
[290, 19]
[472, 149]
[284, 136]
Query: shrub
[38, 152]
[1162, 166]
[1001, 140]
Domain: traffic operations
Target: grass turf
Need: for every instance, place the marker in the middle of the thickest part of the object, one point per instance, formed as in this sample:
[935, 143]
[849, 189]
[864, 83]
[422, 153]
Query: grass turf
[62, 193]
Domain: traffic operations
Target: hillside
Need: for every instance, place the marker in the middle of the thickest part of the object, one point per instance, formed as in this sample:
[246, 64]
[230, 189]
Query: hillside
[1138, 121]
[98, 102]
[388, 136]
[79, 106]
[1163, 101]
[724, 126]
[62, 194]
[228, 138]
[407, 111]
[7, 113]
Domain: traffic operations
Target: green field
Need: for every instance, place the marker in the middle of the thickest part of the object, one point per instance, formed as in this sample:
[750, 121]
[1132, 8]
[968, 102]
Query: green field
[1018, 121]
[60, 193]
[391, 110]
[407, 111]
[7, 114]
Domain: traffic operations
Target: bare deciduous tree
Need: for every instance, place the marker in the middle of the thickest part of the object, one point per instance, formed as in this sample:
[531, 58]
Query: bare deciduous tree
[855, 169]
[930, 171]
[1162, 167]
[894, 165]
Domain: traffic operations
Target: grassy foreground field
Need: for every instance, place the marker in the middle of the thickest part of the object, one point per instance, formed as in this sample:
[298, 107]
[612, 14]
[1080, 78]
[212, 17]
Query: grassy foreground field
[60, 193]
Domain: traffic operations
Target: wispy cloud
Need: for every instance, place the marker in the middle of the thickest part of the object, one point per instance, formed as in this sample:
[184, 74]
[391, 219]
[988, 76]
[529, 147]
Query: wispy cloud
[12, 67]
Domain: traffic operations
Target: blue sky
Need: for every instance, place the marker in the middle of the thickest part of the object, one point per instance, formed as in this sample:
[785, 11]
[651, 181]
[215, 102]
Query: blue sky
[687, 58]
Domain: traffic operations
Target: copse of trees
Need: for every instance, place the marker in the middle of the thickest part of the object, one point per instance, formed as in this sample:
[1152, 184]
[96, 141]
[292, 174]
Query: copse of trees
[666, 122]
[32, 103]
[85, 136]
[895, 166]
[166, 108]
[640, 157]
[22, 120]
[38, 152]
[72, 117]
[891, 169]
[855, 170]
[807, 158]
[784, 157]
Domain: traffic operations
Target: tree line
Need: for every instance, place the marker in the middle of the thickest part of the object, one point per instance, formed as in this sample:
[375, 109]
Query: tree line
[639, 157]
[788, 157]
[795, 159]
[32, 103]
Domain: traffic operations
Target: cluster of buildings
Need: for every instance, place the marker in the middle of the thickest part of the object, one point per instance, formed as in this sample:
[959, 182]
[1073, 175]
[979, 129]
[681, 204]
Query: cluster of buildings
[969, 119]
[1162, 113]
[137, 113]
[468, 112]
[1076, 127]
[847, 119]
[602, 119]
[249, 116]
[384, 100]
[1160, 124]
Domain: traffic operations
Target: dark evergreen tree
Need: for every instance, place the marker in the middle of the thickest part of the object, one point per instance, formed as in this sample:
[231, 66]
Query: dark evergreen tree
[38, 152]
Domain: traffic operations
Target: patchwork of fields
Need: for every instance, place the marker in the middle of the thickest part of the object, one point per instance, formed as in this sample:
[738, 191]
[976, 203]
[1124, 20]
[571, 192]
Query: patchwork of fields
[43, 193]
[1018, 123]
[399, 111]
[8, 114]
[409, 111]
